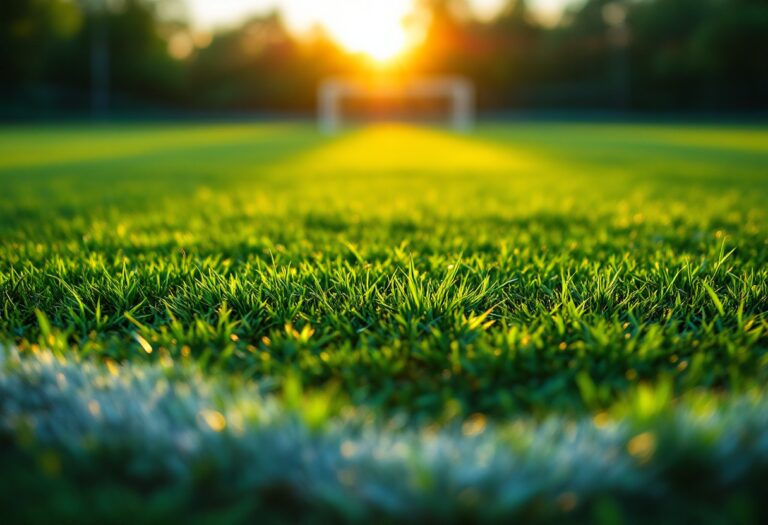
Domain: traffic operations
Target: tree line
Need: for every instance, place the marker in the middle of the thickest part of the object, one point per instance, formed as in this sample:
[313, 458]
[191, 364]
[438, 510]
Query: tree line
[628, 55]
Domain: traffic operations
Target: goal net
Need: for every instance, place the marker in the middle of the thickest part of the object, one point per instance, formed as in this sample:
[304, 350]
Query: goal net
[435, 99]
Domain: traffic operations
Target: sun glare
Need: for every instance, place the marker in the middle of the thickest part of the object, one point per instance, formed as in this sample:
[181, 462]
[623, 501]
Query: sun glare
[378, 29]
[381, 29]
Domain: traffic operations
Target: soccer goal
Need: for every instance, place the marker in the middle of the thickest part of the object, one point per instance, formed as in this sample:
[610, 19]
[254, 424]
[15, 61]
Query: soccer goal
[452, 98]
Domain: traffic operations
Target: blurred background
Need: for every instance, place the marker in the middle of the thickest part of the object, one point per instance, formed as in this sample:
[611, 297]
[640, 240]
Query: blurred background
[111, 58]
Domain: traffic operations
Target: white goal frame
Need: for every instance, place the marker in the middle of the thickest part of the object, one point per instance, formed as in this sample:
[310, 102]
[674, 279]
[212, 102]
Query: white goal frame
[458, 90]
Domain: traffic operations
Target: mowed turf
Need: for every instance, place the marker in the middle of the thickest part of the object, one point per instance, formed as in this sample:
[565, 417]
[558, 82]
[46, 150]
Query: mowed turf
[602, 274]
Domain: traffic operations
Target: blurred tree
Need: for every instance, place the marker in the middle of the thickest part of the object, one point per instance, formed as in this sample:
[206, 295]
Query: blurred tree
[625, 54]
[447, 46]
[515, 60]
[142, 68]
[62, 52]
[32, 35]
[707, 54]
[258, 66]
[729, 51]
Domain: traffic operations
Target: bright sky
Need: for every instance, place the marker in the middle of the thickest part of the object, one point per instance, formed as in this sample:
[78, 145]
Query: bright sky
[375, 27]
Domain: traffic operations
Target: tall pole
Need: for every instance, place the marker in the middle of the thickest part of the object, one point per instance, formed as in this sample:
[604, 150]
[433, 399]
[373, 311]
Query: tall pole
[99, 58]
[615, 16]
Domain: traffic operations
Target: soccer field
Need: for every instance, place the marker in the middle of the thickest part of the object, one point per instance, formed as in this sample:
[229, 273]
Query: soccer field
[235, 322]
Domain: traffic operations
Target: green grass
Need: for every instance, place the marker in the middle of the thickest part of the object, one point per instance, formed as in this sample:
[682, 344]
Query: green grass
[524, 274]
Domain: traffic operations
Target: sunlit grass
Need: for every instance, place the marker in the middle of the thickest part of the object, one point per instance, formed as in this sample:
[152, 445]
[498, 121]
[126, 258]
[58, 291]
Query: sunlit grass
[526, 272]
[103, 437]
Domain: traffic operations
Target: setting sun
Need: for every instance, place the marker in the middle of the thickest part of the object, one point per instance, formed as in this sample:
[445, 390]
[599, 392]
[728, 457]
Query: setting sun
[377, 29]
[380, 29]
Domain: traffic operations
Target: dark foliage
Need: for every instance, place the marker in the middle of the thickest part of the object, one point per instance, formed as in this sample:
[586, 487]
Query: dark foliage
[650, 55]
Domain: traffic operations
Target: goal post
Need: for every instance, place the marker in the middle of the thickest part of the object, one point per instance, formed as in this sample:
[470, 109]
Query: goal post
[457, 90]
